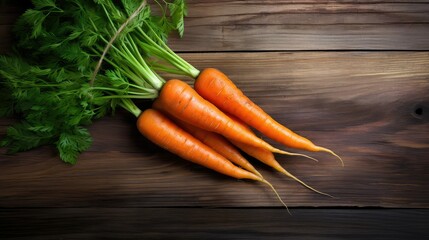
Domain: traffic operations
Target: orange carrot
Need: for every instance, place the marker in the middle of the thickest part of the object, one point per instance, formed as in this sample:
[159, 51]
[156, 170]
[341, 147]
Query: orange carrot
[238, 121]
[213, 140]
[220, 145]
[217, 88]
[181, 101]
[267, 157]
[155, 126]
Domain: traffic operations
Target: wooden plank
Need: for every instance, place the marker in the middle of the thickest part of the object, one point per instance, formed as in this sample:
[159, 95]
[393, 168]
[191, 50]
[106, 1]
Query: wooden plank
[282, 25]
[370, 107]
[201, 223]
[300, 25]
[363, 105]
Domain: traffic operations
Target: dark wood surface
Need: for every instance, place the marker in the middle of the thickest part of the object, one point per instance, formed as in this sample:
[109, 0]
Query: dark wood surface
[205, 223]
[351, 75]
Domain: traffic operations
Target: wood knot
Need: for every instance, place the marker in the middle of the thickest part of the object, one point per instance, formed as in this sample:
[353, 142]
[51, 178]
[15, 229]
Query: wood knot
[421, 111]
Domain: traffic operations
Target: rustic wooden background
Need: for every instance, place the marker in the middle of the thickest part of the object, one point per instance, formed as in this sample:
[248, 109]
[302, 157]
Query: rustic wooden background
[351, 75]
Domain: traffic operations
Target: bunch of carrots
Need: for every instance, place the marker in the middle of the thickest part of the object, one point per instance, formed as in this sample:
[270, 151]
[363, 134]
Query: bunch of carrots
[208, 130]
[208, 124]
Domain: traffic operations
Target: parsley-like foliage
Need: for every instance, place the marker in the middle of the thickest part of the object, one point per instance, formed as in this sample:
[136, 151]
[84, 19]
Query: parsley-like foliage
[46, 82]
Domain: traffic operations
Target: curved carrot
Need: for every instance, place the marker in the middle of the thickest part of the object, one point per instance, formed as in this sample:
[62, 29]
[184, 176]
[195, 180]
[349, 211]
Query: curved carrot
[181, 101]
[217, 88]
[162, 131]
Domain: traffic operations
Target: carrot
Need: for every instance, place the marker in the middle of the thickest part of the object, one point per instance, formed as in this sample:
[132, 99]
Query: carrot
[181, 101]
[159, 129]
[267, 157]
[217, 88]
[219, 144]
[238, 121]
[213, 140]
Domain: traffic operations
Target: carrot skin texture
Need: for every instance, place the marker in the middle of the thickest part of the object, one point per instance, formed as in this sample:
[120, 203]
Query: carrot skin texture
[213, 140]
[163, 132]
[259, 151]
[159, 129]
[217, 88]
[183, 102]
[260, 154]
[220, 145]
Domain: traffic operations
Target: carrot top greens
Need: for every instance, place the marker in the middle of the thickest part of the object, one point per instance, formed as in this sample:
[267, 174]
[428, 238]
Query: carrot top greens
[46, 82]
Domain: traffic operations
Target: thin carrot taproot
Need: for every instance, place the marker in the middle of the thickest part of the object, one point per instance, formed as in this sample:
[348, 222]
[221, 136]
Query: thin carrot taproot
[217, 88]
[267, 157]
[183, 102]
[159, 129]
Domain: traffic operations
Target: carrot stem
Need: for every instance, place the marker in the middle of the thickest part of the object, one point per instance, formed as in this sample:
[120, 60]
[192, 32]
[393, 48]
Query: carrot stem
[130, 107]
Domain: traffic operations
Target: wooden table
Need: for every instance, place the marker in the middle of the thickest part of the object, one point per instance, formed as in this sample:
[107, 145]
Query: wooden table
[351, 75]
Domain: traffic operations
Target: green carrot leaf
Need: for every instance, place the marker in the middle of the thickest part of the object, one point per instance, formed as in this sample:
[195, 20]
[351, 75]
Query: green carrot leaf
[56, 84]
[70, 144]
[39, 4]
[178, 10]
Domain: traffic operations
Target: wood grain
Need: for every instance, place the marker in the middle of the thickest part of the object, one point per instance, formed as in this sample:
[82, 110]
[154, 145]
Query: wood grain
[285, 25]
[306, 25]
[202, 223]
[352, 75]
[362, 105]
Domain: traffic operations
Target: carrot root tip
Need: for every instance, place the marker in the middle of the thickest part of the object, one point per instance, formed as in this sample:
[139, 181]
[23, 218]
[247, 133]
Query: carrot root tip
[332, 152]
[277, 194]
[288, 174]
[296, 154]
